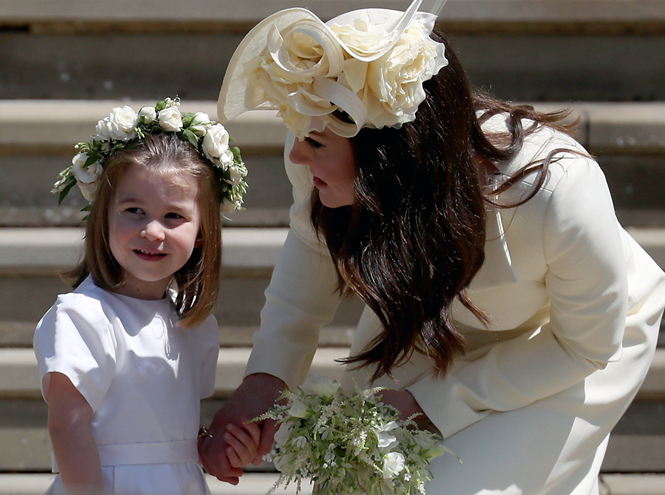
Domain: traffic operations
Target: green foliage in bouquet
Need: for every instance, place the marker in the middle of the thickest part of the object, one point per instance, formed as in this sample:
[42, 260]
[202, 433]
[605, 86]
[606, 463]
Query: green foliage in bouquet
[347, 444]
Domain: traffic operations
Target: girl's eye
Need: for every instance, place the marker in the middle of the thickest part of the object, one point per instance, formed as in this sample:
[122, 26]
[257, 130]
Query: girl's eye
[313, 143]
[174, 216]
[135, 210]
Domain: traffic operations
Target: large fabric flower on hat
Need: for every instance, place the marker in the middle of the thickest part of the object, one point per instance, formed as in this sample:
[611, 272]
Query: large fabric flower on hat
[362, 69]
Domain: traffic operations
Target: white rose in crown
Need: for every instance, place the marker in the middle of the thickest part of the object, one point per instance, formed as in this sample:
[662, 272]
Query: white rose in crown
[89, 191]
[395, 80]
[236, 174]
[170, 119]
[120, 125]
[147, 115]
[83, 174]
[215, 146]
[200, 123]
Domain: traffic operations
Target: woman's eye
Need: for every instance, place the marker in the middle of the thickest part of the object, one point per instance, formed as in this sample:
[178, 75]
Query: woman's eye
[313, 143]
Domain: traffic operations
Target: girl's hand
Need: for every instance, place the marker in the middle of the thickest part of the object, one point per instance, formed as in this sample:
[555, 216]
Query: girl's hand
[243, 443]
[255, 395]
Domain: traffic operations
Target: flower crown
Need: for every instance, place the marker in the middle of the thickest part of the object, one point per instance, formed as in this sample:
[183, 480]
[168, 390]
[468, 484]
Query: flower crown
[365, 68]
[123, 125]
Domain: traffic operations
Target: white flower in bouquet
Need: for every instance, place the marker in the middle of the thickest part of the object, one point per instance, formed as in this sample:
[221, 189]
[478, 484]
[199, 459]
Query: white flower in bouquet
[393, 464]
[348, 443]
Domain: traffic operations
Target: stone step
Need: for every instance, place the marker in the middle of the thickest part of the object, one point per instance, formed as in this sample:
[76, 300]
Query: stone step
[518, 49]
[56, 125]
[30, 259]
[18, 379]
[259, 483]
[37, 137]
[124, 15]
[637, 444]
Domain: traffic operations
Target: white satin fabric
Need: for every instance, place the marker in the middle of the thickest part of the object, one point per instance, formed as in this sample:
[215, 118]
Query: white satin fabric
[144, 378]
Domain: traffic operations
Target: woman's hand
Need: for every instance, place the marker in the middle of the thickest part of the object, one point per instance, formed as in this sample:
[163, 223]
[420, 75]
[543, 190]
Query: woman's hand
[407, 406]
[255, 395]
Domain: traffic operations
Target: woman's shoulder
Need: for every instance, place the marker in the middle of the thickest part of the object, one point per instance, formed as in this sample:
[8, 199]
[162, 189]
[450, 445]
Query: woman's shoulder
[567, 160]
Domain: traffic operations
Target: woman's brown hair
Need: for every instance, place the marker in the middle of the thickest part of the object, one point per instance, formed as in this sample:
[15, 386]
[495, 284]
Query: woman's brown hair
[415, 236]
[197, 283]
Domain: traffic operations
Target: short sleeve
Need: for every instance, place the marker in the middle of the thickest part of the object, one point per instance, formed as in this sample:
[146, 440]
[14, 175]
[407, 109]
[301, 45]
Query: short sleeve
[209, 340]
[74, 338]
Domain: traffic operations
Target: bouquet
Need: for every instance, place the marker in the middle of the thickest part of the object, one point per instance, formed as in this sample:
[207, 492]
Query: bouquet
[348, 443]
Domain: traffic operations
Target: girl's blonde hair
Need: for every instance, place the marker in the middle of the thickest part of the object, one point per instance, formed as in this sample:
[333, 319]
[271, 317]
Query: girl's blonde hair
[197, 283]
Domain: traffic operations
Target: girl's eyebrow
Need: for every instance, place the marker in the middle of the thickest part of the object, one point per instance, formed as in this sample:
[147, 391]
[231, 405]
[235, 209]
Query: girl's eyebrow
[128, 199]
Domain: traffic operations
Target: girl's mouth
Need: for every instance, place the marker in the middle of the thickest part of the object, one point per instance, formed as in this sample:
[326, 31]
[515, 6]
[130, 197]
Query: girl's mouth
[149, 256]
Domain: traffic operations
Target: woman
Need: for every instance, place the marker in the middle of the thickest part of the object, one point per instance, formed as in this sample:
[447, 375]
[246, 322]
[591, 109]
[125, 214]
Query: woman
[504, 300]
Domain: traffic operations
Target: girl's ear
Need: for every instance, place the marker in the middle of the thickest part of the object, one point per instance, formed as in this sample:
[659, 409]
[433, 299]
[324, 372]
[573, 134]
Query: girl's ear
[199, 240]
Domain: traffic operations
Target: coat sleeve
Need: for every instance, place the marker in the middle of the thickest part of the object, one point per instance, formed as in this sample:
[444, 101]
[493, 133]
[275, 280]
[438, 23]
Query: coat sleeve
[301, 297]
[586, 284]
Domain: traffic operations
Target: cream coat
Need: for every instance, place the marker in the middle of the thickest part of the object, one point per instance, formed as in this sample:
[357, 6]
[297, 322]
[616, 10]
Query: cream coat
[575, 305]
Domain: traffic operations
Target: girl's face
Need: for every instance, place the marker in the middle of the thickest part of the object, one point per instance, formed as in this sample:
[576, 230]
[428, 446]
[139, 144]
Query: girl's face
[154, 224]
[332, 163]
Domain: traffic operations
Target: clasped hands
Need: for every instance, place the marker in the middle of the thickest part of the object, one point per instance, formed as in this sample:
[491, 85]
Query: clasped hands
[231, 443]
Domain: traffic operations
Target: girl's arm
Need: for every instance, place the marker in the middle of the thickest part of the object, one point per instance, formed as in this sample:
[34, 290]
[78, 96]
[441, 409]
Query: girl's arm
[69, 418]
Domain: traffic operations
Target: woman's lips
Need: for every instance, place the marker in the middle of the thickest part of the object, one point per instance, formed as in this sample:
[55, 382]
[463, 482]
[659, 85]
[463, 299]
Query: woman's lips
[319, 183]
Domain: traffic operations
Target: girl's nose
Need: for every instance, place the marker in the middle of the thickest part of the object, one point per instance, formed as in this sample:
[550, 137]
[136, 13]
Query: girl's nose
[300, 153]
[153, 231]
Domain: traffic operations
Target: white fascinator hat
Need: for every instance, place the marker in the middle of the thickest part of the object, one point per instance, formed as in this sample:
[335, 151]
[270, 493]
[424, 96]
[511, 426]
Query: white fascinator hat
[364, 68]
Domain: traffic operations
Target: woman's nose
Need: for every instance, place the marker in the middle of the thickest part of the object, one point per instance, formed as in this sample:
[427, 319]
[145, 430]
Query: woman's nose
[299, 153]
[153, 231]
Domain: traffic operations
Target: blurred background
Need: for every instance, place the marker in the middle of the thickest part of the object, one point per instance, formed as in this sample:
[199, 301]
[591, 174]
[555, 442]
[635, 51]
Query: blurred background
[65, 63]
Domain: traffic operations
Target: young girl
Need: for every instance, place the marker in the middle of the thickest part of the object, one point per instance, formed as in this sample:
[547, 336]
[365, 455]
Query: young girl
[125, 359]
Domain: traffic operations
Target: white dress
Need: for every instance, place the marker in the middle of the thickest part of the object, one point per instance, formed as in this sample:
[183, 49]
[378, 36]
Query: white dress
[144, 378]
[575, 304]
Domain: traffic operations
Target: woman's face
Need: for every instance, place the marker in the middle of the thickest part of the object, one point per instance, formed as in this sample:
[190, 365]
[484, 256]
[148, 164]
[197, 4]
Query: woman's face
[332, 163]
